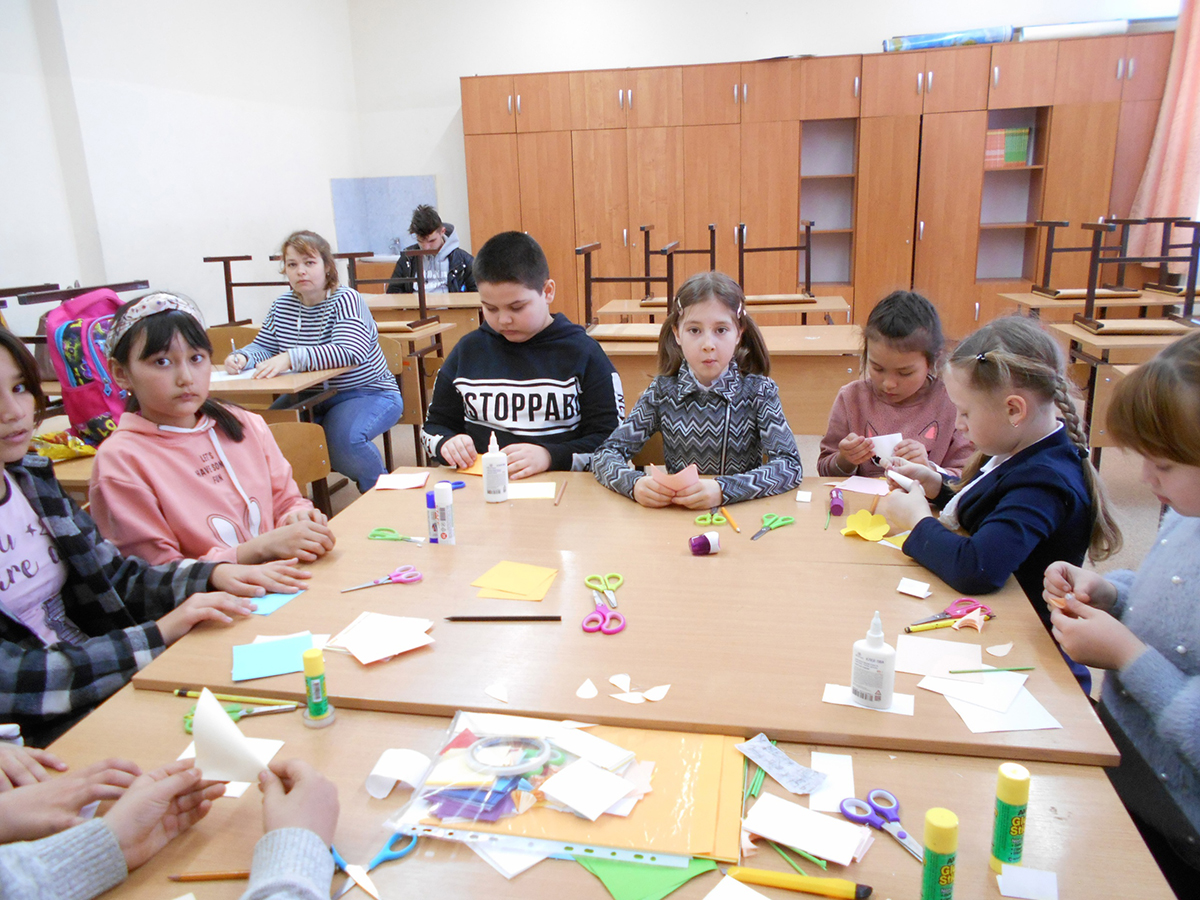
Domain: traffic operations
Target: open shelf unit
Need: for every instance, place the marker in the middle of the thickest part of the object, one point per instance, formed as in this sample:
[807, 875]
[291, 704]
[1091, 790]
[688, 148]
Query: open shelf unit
[1012, 202]
[828, 160]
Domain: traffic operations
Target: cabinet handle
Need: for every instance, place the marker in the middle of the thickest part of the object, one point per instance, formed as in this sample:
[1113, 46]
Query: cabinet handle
[976, 311]
[1129, 69]
[745, 92]
[1120, 68]
[929, 82]
[630, 93]
[518, 104]
[857, 81]
[920, 82]
[921, 230]
[995, 76]
[735, 93]
[621, 98]
[625, 236]
[510, 104]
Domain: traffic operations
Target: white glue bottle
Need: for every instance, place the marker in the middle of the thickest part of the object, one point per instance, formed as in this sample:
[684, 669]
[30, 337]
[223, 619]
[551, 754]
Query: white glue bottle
[443, 498]
[873, 673]
[495, 473]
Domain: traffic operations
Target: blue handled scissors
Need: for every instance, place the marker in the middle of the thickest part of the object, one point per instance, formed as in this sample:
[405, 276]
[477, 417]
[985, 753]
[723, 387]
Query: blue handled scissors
[454, 485]
[771, 522]
[386, 854]
[402, 575]
[607, 585]
[602, 619]
[712, 517]
[882, 810]
[963, 606]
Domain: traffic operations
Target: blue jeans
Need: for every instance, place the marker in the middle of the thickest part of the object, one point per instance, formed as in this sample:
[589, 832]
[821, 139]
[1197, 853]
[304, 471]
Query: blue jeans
[352, 419]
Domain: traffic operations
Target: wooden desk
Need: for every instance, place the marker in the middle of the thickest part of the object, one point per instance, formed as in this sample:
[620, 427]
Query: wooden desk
[748, 638]
[287, 383]
[1107, 379]
[1037, 306]
[462, 310]
[810, 363]
[635, 311]
[1076, 826]
[74, 474]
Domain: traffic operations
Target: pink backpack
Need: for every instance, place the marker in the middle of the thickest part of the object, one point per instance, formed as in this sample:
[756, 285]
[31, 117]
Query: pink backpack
[76, 337]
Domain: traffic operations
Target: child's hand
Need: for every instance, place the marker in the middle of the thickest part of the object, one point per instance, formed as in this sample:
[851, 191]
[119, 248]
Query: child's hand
[459, 451]
[526, 459]
[929, 479]
[904, 509]
[913, 452]
[306, 515]
[304, 540]
[276, 365]
[853, 451]
[295, 795]
[1063, 580]
[704, 494]
[280, 576]
[1093, 637]
[48, 807]
[651, 494]
[25, 765]
[235, 362]
[214, 606]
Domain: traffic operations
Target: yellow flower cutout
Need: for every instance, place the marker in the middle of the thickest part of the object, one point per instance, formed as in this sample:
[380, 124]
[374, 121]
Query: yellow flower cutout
[866, 525]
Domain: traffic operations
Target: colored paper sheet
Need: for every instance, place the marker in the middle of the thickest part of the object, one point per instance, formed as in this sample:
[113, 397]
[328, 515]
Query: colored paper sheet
[790, 824]
[885, 444]
[902, 704]
[223, 753]
[269, 658]
[867, 525]
[860, 484]
[401, 481]
[397, 765]
[536, 595]
[934, 656]
[896, 540]
[475, 468]
[638, 881]
[1027, 884]
[732, 889]
[514, 577]
[531, 490]
[684, 478]
[1025, 714]
[268, 603]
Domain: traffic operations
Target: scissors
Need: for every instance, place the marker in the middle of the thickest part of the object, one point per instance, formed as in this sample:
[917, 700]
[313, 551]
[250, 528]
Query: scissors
[771, 522]
[238, 712]
[602, 619]
[606, 584]
[402, 575]
[391, 534]
[712, 517]
[454, 485]
[359, 875]
[882, 810]
[963, 606]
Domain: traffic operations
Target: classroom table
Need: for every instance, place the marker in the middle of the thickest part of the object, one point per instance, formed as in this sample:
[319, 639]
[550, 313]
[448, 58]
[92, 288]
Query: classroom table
[265, 388]
[1076, 826]
[627, 310]
[810, 363]
[748, 638]
[462, 310]
[1063, 310]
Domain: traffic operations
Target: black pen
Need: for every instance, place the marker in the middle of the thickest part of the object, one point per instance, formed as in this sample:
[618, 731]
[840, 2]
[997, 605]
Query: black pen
[503, 618]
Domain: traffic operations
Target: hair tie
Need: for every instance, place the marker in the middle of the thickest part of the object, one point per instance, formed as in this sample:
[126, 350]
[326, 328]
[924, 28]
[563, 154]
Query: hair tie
[741, 310]
[1084, 453]
[981, 357]
[149, 305]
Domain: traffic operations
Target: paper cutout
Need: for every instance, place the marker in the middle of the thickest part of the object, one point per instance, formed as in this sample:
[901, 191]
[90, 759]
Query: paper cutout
[401, 481]
[902, 704]
[531, 490]
[268, 603]
[1025, 714]
[794, 777]
[524, 800]
[866, 525]
[639, 774]
[684, 478]
[885, 444]
[637, 881]
[914, 588]
[233, 789]
[1000, 649]
[396, 765]
[732, 889]
[803, 496]
[656, 693]
[374, 637]
[974, 619]
[1028, 884]
[586, 788]
[629, 697]
[475, 468]
[497, 692]
[932, 656]
[223, 753]
[516, 578]
[587, 690]
[269, 658]
[838, 769]
[784, 822]
[620, 681]
[995, 692]
[863, 485]
[508, 863]
[896, 540]
[595, 750]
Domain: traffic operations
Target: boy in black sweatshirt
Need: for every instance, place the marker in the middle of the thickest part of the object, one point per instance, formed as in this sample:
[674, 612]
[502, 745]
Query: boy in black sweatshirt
[536, 379]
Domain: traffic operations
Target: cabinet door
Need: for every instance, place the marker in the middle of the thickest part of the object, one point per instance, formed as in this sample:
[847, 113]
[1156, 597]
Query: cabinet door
[1022, 74]
[654, 97]
[1090, 70]
[548, 208]
[830, 87]
[656, 195]
[712, 94]
[712, 193]
[951, 186]
[602, 209]
[893, 84]
[543, 102]
[771, 91]
[493, 187]
[1147, 58]
[598, 99]
[770, 204]
[488, 104]
[1135, 131]
[957, 79]
[888, 156]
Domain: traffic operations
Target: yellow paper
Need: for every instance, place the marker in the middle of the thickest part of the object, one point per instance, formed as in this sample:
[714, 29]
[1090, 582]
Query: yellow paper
[866, 525]
[515, 578]
[475, 468]
[537, 594]
[897, 540]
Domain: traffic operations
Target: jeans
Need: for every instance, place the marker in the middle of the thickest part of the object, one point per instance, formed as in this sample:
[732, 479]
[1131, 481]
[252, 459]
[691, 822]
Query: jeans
[352, 419]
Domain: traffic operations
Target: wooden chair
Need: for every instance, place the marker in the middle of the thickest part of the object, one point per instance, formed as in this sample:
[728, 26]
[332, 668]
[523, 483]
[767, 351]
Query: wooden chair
[303, 446]
[406, 379]
[226, 338]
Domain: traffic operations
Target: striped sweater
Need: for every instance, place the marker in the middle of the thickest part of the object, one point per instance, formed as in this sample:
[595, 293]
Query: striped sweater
[338, 331]
[725, 430]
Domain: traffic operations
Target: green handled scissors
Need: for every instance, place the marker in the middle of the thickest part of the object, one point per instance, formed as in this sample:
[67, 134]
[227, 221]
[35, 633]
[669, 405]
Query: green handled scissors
[237, 712]
[771, 522]
[391, 534]
[606, 584]
[712, 517]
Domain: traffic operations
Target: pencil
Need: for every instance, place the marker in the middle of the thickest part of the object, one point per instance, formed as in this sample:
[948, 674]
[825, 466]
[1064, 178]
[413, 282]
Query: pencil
[503, 618]
[874, 503]
[234, 698]
[726, 514]
[232, 875]
[562, 490]
[985, 671]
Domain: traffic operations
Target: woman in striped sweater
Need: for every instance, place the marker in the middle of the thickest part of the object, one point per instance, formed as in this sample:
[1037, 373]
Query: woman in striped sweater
[320, 325]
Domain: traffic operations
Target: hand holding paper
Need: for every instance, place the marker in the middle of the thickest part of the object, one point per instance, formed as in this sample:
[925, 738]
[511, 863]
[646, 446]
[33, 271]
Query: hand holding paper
[223, 753]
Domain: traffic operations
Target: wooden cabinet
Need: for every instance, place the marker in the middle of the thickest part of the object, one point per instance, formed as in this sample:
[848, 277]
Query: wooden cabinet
[619, 98]
[493, 186]
[893, 84]
[830, 87]
[548, 208]
[711, 193]
[1091, 70]
[498, 104]
[771, 91]
[956, 79]
[770, 201]
[598, 99]
[1147, 58]
[488, 104]
[654, 97]
[656, 196]
[712, 94]
[601, 177]
[1022, 74]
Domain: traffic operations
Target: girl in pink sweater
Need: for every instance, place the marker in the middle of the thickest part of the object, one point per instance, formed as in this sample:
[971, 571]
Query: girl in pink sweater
[185, 475]
[901, 394]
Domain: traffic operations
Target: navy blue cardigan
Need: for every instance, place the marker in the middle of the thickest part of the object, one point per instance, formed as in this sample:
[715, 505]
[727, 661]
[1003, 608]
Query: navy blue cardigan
[1028, 512]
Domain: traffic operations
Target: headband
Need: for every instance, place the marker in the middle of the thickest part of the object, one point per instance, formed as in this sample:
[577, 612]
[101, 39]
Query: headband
[149, 305]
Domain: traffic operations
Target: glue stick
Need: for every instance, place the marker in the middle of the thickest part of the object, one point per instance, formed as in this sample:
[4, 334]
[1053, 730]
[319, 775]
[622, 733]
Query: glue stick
[495, 473]
[1008, 828]
[443, 497]
[431, 515]
[317, 713]
[941, 849]
[837, 505]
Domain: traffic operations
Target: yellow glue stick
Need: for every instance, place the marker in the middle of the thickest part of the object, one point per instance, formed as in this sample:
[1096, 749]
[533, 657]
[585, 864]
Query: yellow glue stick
[941, 850]
[1008, 828]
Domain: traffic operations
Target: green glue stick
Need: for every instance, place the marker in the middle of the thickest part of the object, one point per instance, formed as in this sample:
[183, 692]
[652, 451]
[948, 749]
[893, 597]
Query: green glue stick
[1008, 827]
[941, 850]
[318, 713]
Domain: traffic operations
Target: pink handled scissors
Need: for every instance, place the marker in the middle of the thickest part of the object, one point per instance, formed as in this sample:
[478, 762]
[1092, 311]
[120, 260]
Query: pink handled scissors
[402, 575]
[603, 619]
[963, 606]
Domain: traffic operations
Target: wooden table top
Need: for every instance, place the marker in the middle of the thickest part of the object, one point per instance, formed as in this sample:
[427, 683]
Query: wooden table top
[747, 638]
[1033, 301]
[1076, 826]
[781, 340]
[287, 383]
[456, 300]
[414, 334]
[762, 303]
[1114, 348]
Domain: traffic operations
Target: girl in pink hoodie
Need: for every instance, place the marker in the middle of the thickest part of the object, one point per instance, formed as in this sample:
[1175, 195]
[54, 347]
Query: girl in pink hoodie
[185, 475]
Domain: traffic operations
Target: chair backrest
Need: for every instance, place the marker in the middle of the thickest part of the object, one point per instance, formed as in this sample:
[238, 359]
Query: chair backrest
[303, 446]
[402, 367]
[221, 335]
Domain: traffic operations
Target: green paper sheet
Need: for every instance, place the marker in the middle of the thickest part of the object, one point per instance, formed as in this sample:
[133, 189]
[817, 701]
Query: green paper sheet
[638, 881]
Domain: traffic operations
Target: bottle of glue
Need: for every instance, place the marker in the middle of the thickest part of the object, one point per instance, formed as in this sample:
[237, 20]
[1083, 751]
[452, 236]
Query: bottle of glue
[443, 499]
[495, 473]
[873, 673]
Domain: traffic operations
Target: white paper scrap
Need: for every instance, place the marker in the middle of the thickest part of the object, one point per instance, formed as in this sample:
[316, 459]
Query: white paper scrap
[995, 692]
[1029, 884]
[629, 697]
[222, 752]
[319, 640]
[804, 496]
[531, 490]
[587, 690]
[1000, 649]
[1025, 714]
[586, 788]
[586, 745]
[838, 769]
[656, 693]
[930, 656]
[396, 765]
[399, 481]
[794, 777]
[497, 692]
[914, 588]
[379, 637]
[885, 444]
[621, 682]
[508, 863]
[784, 822]
[902, 704]
[732, 889]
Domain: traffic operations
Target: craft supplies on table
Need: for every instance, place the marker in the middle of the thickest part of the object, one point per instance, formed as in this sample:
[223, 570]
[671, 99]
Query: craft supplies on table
[400, 575]
[770, 522]
[607, 585]
[881, 810]
[602, 618]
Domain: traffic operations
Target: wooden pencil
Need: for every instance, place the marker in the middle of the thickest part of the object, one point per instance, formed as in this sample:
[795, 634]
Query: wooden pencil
[232, 875]
[562, 489]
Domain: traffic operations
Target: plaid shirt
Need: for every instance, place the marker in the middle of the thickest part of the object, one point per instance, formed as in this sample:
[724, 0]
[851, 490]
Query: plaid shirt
[113, 599]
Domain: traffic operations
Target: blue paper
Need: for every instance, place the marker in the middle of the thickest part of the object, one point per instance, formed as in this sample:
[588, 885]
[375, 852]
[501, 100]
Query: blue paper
[268, 603]
[269, 658]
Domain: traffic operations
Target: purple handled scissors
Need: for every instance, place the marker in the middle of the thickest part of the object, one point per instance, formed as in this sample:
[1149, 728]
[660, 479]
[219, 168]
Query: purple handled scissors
[603, 619]
[882, 810]
[402, 575]
[963, 606]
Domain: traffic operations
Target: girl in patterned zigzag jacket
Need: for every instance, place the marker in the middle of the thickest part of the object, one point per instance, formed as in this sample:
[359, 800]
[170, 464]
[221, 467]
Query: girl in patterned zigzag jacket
[714, 405]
